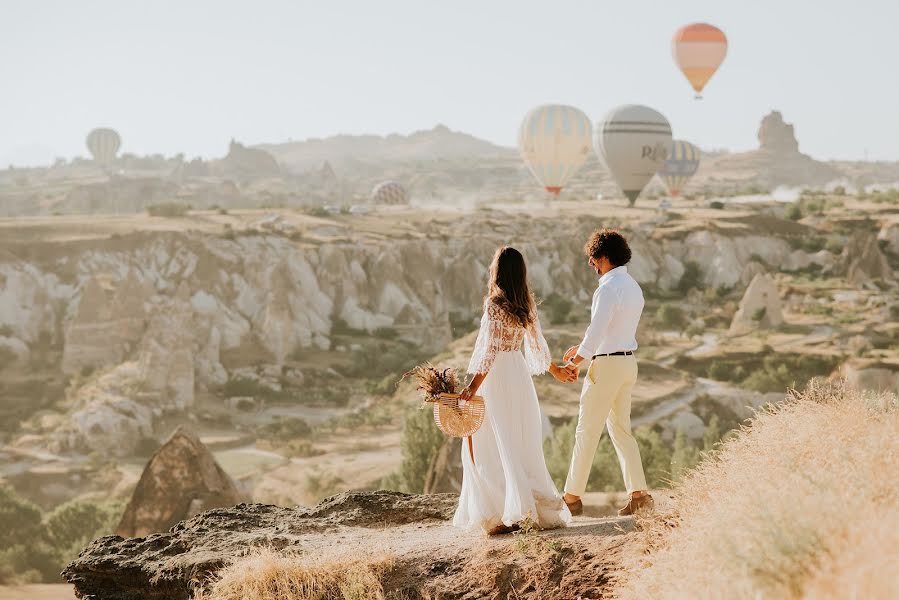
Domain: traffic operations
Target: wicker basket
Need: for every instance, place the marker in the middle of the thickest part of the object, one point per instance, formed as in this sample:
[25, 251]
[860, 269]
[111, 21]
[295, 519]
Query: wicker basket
[456, 417]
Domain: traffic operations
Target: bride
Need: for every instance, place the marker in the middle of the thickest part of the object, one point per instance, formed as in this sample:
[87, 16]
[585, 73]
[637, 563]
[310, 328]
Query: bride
[508, 481]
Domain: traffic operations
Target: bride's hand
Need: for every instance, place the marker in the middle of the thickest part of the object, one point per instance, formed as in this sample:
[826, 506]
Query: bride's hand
[466, 394]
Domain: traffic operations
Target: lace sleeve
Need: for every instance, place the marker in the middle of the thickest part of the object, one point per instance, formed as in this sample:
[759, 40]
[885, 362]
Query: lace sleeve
[536, 351]
[486, 346]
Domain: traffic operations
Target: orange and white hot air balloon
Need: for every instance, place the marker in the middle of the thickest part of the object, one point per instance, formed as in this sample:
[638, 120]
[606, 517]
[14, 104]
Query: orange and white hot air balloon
[699, 49]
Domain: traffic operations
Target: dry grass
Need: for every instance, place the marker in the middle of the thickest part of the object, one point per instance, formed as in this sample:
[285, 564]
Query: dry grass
[269, 574]
[803, 504]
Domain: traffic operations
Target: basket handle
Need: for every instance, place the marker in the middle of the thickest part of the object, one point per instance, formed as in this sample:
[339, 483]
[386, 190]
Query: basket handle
[445, 398]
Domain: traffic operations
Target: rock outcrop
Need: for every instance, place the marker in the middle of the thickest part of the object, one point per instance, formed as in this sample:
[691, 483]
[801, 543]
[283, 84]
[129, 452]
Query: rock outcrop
[426, 556]
[777, 161]
[242, 161]
[777, 136]
[180, 480]
[760, 307]
[863, 261]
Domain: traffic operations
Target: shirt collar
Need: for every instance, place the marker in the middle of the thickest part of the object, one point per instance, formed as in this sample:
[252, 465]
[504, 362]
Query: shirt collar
[612, 272]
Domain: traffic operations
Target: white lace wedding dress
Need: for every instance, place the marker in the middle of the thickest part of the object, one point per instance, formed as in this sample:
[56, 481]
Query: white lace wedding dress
[508, 481]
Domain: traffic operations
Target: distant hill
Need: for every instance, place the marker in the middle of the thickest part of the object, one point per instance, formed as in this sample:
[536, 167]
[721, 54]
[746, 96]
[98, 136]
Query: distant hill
[439, 143]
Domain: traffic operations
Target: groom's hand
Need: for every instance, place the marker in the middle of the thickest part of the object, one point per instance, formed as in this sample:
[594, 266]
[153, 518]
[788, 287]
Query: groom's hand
[570, 353]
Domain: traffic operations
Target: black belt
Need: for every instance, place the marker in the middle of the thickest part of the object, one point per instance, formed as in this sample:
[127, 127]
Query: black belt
[628, 353]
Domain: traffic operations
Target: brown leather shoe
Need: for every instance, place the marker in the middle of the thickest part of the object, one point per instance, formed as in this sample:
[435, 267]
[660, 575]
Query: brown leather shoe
[576, 508]
[634, 505]
[503, 529]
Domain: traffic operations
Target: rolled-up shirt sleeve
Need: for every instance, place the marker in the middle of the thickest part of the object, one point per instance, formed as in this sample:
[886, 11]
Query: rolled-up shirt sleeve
[603, 306]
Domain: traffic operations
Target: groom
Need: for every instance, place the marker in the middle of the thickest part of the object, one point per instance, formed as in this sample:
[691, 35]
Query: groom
[609, 344]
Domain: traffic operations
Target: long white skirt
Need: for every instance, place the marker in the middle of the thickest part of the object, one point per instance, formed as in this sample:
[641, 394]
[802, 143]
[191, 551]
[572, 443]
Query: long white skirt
[508, 481]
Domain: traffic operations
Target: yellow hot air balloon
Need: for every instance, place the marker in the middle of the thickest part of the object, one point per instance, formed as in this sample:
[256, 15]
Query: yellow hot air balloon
[699, 49]
[554, 141]
[104, 144]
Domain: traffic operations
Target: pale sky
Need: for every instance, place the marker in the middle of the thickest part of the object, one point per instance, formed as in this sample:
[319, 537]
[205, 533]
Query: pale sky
[187, 76]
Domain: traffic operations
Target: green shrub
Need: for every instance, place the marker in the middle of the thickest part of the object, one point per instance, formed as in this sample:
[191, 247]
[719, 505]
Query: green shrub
[669, 315]
[419, 445]
[684, 456]
[284, 430]
[834, 246]
[793, 212]
[168, 209]
[385, 333]
[558, 308]
[691, 278]
[6, 330]
[716, 204]
[73, 525]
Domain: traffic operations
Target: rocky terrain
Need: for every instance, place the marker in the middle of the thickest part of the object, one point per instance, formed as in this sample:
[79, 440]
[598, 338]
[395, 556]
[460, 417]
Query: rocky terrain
[427, 557]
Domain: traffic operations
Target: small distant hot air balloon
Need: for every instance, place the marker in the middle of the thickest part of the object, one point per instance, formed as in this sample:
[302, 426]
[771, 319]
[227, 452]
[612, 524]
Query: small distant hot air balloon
[699, 49]
[554, 141]
[633, 142]
[681, 164]
[389, 192]
[103, 144]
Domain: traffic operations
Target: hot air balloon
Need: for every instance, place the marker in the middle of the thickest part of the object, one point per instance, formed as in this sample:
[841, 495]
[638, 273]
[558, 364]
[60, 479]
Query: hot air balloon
[389, 192]
[554, 141]
[681, 164]
[103, 144]
[699, 49]
[633, 142]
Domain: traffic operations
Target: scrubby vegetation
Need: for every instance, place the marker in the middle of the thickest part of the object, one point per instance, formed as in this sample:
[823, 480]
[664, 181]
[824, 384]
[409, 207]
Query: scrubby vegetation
[168, 209]
[796, 506]
[420, 443]
[34, 546]
[663, 462]
[767, 371]
[270, 574]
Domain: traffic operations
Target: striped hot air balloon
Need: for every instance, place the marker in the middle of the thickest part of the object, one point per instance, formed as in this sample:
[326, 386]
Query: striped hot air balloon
[389, 192]
[682, 163]
[699, 49]
[554, 141]
[633, 142]
[103, 144]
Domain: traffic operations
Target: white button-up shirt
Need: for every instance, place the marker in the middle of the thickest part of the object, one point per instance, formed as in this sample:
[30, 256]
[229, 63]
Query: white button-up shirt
[616, 310]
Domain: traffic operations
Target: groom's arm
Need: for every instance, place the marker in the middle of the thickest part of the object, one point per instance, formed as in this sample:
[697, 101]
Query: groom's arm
[599, 323]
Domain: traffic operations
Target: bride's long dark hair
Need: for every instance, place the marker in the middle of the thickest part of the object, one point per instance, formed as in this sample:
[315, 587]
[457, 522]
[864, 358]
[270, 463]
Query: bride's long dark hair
[508, 286]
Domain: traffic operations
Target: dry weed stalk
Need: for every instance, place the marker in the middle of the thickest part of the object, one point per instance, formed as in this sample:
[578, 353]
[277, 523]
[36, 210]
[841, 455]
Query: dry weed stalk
[804, 503]
[269, 574]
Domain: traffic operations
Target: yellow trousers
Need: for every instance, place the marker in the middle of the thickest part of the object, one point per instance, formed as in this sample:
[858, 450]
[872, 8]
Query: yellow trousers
[606, 399]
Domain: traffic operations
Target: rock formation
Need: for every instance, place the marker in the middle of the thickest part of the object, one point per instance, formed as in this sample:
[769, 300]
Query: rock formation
[863, 260]
[180, 480]
[427, 557]
[777, 136]
[777, 161]
[242, 162]
[760, 307]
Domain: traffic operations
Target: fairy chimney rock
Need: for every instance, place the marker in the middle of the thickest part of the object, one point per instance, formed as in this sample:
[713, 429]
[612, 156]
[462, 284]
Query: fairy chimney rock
[776, 135]
[760, 307]
[181, 479]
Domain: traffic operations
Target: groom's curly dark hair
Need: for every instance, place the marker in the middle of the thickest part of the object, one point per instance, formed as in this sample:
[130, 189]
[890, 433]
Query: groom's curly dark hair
[608, 243]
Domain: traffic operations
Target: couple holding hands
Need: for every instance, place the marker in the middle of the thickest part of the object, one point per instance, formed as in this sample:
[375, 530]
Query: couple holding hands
[508, 481]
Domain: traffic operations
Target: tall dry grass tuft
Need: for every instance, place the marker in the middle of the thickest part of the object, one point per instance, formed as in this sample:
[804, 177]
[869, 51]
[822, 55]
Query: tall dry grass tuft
[268, 574]
[802, 504]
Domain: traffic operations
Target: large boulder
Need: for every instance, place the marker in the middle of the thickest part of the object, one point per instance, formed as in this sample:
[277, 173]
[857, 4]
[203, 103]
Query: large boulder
[760, 307]
[180, 480]
[863, 260]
